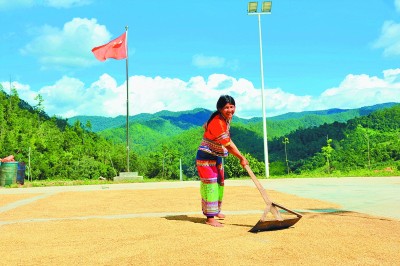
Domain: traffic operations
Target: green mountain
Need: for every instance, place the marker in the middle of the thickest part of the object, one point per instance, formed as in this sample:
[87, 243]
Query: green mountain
[339, 114]
[277, 126]
[287, 123]
[183, 120]
[365, 138]
[182, 132]
[147, 131]
[358, 143]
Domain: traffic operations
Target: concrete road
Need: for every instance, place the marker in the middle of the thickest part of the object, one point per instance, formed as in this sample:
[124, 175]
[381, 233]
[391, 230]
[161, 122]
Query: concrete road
[378, 196]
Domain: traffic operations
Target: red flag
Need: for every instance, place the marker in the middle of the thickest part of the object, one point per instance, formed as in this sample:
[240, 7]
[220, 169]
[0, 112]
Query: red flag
[115, 49]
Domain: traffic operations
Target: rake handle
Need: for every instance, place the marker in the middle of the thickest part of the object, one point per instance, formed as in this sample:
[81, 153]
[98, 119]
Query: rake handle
[270, 204]
[265, 196]
[258, 185]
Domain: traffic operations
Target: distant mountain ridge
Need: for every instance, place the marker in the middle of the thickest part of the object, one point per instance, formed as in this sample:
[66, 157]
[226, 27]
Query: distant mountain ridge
[152, 135]
[360, 111]
[196, 117]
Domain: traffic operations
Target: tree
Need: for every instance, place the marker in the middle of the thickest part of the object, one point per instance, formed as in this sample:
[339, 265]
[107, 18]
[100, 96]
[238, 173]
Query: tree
[39, 107]
[234, 169]
[327, 152]
[88, 126]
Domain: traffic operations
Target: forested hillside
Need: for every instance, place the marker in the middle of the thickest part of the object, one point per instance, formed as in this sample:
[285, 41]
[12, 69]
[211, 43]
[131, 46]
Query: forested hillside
[370, 142]
[50, 147]
[287, 123]
[54, 148]
[160, 138]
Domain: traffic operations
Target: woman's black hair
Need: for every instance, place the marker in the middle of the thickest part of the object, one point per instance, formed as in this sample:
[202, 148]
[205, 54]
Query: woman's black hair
[222, 101]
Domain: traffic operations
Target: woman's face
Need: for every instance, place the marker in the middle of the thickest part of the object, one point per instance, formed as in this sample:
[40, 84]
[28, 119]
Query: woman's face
[228, 110]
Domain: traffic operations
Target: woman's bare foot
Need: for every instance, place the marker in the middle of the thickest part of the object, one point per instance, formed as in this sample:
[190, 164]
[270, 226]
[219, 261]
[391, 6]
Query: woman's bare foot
[221, 216]
[213, 222]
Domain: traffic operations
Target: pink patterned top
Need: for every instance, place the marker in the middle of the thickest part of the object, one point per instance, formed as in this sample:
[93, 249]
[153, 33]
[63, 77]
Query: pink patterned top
[216, 137]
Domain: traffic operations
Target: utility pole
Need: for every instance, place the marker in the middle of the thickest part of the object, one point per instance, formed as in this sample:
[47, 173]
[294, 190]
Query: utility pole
[286, 141]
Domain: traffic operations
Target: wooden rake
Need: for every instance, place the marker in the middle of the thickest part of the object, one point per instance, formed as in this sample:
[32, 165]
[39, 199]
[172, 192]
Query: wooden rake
[268, 225]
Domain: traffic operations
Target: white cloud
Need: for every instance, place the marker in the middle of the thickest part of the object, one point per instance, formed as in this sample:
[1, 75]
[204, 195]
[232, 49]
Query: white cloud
[13, 4]
[389, 40]
[7, 4]
[361, 90]
[105, 97]
[203, 61]
[24, 91]
[397, 5]
[65, 92]
[67, 47]
[66, 3]
[392, 75]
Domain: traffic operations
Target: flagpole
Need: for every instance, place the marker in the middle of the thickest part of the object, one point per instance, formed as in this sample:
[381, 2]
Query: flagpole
[127, 102]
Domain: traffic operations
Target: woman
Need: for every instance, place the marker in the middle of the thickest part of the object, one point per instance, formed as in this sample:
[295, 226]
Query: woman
[215, 145]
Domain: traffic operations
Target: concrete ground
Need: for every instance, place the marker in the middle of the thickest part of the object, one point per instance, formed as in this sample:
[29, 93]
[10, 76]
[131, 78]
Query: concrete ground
[372, 195]
[346, 221]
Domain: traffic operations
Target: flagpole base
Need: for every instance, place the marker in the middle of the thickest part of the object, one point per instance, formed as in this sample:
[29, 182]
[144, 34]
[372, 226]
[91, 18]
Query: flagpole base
[128, 176]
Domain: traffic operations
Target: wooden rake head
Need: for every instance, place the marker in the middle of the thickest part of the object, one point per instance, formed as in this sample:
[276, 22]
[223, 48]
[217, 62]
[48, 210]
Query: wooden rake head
[279, 223]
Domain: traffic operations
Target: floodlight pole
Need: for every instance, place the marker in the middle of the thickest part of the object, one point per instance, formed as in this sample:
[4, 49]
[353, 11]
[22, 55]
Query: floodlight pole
[263, 102]
[266, 161]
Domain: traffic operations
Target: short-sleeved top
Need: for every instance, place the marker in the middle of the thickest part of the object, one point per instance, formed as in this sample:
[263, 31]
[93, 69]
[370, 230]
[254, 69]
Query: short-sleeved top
[216, 137]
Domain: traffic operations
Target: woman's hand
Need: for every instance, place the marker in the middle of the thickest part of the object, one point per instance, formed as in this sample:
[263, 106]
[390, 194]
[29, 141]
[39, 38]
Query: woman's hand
[235, 151]
[243, 162]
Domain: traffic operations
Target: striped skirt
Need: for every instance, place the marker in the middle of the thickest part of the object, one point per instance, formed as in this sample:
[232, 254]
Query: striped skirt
[211, 172]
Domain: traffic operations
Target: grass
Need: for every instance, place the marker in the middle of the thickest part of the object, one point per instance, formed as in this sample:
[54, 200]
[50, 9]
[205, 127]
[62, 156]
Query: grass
[82, 182]
[338, 174]
[315, 174]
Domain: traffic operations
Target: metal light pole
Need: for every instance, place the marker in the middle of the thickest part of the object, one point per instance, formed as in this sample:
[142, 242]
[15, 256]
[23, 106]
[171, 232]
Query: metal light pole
[285, 142]
[252, 9]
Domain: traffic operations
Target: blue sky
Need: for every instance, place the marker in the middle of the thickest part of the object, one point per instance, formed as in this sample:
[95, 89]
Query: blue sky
[184, 54]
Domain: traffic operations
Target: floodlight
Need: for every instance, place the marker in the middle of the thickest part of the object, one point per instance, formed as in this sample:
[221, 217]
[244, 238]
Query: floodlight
[252, 7]
[266, 7]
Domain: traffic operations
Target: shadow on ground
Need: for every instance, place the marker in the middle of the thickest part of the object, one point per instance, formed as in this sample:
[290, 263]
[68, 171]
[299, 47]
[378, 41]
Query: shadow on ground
[199, 220]
[186, 218]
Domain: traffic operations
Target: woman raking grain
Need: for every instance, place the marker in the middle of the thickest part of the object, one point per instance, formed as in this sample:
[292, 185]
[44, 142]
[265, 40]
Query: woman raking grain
[216, 144]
